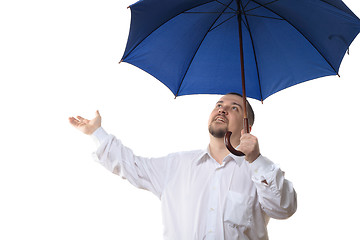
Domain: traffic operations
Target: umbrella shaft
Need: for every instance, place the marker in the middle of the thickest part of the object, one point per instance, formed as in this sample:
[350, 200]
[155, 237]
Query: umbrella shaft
[246, 122]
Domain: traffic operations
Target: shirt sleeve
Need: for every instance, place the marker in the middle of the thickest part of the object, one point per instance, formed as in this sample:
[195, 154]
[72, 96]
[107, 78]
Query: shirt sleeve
[146, 173]
[276, 194]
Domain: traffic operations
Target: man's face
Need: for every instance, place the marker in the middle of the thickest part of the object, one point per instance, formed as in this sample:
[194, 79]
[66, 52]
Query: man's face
[226, 116]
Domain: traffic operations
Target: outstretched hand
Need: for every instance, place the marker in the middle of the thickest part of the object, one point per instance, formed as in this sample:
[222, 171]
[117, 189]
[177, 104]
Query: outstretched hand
[84, 125]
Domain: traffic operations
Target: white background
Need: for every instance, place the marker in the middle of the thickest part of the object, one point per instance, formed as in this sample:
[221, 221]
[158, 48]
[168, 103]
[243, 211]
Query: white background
[60, 59]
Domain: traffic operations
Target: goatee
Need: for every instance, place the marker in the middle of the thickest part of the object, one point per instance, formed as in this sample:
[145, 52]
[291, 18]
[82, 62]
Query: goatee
[218, 133]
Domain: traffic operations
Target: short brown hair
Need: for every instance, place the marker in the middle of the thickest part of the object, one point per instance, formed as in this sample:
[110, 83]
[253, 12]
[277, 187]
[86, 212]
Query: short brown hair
[250, 111]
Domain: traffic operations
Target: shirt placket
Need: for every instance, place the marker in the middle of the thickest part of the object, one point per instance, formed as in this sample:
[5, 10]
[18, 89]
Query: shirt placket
[213, 204]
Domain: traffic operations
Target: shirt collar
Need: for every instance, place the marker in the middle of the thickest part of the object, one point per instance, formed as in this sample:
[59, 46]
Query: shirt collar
[205, 155]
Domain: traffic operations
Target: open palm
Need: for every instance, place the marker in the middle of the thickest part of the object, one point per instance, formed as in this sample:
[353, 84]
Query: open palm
[84, 125]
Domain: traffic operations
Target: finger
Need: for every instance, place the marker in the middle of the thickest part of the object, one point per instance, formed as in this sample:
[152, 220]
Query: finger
[97, 113]
[243, 135]
[73, 121]
[80, 118]
[83, 120]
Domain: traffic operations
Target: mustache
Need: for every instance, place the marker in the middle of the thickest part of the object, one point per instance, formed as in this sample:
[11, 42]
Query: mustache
[220, 115]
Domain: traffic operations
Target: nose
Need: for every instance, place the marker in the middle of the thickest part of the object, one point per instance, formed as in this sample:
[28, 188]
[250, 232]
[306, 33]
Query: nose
[222, 110]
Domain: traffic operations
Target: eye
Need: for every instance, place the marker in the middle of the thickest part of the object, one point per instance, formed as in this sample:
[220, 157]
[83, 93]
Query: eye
[218, 105]
[234, 108]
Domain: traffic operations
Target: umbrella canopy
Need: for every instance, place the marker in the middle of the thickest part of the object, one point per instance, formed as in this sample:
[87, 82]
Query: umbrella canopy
[257, 47]
[192, 46]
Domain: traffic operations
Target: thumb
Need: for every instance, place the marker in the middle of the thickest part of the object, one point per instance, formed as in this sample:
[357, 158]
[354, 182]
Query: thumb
[97, 114]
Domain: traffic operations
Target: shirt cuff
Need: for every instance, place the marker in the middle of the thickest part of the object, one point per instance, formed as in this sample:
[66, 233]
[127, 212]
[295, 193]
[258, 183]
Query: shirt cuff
[261, 167]
[99, 135]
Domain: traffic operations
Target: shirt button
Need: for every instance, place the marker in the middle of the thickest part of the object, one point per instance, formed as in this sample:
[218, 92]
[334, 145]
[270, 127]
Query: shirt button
[212, 209]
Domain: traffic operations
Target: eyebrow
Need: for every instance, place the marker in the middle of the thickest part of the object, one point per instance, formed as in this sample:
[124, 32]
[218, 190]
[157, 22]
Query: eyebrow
[233, 103]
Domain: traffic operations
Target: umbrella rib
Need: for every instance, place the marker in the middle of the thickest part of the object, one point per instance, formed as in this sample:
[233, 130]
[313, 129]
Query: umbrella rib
[261, 5]
[264, 16]
[227, 6]
[182, 80]
[253, 47]
[247, 4]
[222, 23]
[246, 24]
[330, 4]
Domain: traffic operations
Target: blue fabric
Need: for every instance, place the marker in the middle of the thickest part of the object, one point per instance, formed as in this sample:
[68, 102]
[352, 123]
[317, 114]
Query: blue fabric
[192, 46]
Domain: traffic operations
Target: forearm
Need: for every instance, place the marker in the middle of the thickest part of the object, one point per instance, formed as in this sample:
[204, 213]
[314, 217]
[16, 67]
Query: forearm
[145, 173]
[105, 153]
[276, 194]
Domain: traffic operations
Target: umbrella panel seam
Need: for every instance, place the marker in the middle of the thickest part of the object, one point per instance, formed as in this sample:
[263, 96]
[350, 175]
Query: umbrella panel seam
[335, 6]
[182, 80]
[162, 25]
[299, 32]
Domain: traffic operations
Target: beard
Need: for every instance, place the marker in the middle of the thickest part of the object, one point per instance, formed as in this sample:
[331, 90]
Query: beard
[217, 132]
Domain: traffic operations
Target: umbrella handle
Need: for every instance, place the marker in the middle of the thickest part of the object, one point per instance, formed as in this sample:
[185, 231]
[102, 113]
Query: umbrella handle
[229, 146]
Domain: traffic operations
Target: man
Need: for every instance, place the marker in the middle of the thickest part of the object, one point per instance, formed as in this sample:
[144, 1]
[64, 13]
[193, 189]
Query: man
[206, 194]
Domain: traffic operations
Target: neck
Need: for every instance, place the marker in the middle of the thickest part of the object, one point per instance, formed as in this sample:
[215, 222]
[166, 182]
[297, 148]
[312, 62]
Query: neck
[218, 149]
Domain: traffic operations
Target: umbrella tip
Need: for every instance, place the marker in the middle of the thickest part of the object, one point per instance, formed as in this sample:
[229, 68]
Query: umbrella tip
[338, 75]
[128, 7]
[120, 61]
[262, 101]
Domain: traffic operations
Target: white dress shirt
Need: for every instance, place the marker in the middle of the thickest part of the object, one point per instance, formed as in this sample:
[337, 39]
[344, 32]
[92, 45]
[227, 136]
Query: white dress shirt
[200, 198]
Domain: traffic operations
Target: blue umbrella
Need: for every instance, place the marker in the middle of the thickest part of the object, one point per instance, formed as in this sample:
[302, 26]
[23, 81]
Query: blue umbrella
[253, 47]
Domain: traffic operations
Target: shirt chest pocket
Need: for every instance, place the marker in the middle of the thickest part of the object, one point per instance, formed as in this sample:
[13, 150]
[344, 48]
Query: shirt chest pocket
[238, 209]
